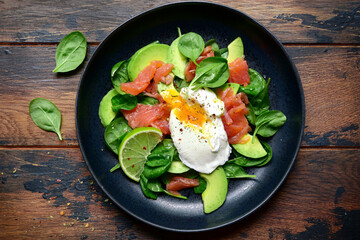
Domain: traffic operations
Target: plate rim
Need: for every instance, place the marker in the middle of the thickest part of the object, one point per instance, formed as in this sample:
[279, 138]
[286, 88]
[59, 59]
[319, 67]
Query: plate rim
[299, 85]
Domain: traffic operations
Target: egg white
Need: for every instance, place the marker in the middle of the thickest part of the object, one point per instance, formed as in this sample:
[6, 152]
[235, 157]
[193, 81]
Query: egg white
[201, 148]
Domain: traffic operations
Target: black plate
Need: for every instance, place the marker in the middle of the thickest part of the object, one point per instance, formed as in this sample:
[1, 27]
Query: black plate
[264, 53]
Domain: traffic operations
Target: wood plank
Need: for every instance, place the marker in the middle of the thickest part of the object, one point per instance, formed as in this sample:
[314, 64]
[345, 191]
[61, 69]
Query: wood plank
[290, 21]
[329, 74]
[318, 199]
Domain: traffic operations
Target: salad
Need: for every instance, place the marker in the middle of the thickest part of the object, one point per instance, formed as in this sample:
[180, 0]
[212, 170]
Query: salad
[188, 115]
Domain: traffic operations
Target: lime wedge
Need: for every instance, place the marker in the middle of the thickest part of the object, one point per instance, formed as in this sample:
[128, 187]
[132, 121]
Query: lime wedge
[134, 149]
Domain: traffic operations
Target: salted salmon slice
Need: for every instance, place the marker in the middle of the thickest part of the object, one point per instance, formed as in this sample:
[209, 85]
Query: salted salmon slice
[177, 183]
[149, 116]
[142, 81]
[234, 120]
[190, 67]
[162, 73]
[239, 72]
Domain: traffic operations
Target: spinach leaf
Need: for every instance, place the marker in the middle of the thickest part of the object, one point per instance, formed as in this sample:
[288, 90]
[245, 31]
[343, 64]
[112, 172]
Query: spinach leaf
[144, 187]
[70, 52]
[261, 102]
[191, 45]
[119, 75]
[116, 167]
[115, 132]
[243, 161]
[180, 83]
[146, 100]
[155, 186]
[201, 187]
[233, 170]
[126, 102]
[159, 160]
[257, 84]
[46, 115]
[269, 122]
[212, 72]
[251, 117]
[214, 47]
[224, 52]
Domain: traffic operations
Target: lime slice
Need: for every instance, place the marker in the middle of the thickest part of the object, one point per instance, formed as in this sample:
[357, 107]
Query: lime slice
[134, 149]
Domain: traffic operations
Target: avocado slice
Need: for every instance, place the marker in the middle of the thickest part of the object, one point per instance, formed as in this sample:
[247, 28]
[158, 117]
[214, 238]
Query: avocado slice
[234, 86]
[177, 59]
[106, 114]
[236, 49]
[144, 56]
[178, 167]
[216, 189]
[251, 149]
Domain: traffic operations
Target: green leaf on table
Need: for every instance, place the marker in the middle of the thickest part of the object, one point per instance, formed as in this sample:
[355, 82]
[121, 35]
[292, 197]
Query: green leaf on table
[70, 52]
[46, 115]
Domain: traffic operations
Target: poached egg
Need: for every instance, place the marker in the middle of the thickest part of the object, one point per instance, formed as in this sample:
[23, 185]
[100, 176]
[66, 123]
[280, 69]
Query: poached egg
[196, 128]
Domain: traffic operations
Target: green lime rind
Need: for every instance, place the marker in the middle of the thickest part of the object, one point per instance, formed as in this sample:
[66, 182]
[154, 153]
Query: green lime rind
[134, 149]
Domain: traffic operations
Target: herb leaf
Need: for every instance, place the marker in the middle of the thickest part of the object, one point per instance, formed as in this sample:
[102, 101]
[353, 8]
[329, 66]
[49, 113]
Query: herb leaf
[261, 102]
[212, 72]
[191, 45]
[233, 170]
[46, 115]
[269, 122]
[119, 75]
[126, 102]
[115, 132]
[70, 52]
[257, 84]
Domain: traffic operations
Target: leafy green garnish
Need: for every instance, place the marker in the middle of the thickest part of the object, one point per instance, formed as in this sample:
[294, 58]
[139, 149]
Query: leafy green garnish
[125, 102]
[70, 52]
[115, 132]
[46, 115]
[119, 75]
[212, 72]
[191, 45]
[269, 122]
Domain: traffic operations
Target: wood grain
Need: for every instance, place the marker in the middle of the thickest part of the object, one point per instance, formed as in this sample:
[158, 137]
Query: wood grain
[319, 196]
[290, 21]
[330, 87]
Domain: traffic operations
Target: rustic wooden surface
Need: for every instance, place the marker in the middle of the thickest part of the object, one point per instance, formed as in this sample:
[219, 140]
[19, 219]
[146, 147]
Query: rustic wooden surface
[42, 177]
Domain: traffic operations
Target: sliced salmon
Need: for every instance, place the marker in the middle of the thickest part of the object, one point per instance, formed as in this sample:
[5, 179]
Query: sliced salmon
[239, 72]
[142, 81]
[234, 120]
[177, 183]
[149, 116]
[162, 72]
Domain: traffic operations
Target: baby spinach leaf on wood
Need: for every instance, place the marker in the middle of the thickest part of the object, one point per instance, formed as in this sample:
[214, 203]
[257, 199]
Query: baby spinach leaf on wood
[269, 122]
[119, 75]
[70, 52]
[256, 86]
[46, 115]
[115, 132]
[191, 45]
[212, 72]
[125, 102]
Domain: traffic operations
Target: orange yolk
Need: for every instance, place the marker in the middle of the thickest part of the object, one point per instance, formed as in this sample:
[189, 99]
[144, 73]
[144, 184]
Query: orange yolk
[186, 113]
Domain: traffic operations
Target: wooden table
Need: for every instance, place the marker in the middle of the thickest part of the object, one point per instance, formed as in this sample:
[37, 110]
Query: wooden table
[46, 190]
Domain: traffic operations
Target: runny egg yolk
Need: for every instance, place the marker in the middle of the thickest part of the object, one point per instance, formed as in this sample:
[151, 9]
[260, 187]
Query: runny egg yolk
[187, 113]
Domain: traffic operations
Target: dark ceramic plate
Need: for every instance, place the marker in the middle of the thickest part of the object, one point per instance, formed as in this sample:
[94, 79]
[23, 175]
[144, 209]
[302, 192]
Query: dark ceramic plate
[264, 53]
